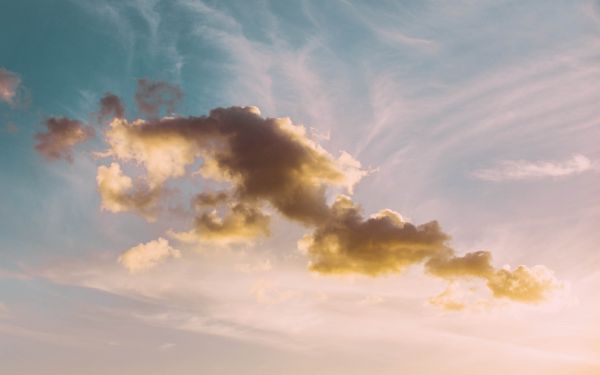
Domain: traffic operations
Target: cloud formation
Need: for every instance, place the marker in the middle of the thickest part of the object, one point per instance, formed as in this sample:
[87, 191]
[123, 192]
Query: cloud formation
[242, 223]
[271, 164]
[110, 107]
[60, 138]
[120, 194]
[146, 256]
[383, 243]
[527, 170]
[9, 85]
[268, 160]
[151, 96]
[522, 284]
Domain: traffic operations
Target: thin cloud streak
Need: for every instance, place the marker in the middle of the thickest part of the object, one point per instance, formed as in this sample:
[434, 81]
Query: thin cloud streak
[515, 170]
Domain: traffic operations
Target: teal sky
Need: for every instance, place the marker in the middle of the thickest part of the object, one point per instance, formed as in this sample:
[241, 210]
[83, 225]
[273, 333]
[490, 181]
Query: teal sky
[482, 115]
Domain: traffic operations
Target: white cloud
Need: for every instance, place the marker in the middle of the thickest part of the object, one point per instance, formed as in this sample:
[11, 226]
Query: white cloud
[148, 255]
[508, 170]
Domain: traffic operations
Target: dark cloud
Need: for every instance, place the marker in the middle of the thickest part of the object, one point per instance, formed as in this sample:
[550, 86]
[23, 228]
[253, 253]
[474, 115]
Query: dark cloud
[111, 107]
[60, 138]
[151, 96]
[210, 199]
[384, 243]
[263, 159]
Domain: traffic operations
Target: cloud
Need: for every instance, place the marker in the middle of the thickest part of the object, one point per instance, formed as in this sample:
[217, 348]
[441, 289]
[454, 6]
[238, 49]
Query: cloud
[210, 199]
[269, 163]
[523, 284]
[383, 243]
[509, 170]
[476, 264]
[146, 256]
[263, 159]
[242, 223]
[119, 194]
[9, 85]
[152, 95]
[448, 299]
[111, 107]
[62, 135]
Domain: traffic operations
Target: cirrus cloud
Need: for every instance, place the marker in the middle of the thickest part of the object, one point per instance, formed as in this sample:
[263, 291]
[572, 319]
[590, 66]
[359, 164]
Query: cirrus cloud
[510, 170]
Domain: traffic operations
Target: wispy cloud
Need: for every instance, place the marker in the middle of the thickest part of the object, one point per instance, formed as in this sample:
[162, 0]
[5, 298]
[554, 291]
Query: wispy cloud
[9, 85]
[510, 170]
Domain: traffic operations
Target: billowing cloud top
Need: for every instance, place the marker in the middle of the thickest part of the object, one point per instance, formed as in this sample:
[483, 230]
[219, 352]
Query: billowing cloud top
[9, 84]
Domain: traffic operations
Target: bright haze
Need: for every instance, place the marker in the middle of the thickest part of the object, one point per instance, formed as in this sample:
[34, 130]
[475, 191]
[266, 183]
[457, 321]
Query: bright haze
[293, 187]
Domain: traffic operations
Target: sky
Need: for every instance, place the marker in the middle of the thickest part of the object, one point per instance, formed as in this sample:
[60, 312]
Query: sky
[269, 187]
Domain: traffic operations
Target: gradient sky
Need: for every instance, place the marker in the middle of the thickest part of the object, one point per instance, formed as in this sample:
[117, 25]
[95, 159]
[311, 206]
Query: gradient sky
[481, 115]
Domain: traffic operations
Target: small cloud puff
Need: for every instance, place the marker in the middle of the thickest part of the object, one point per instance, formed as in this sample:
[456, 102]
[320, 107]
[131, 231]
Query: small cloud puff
[152, 95]
[9, 85]
[119, 194]
[60, 138]
[146, 256]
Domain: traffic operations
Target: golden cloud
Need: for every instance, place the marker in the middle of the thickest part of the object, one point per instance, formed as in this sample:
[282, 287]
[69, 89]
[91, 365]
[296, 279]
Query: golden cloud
[242, 223]
[383, 243]
[271, 164]
[146, 256]
[119, 194]
[523, 284]
[262, 159]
